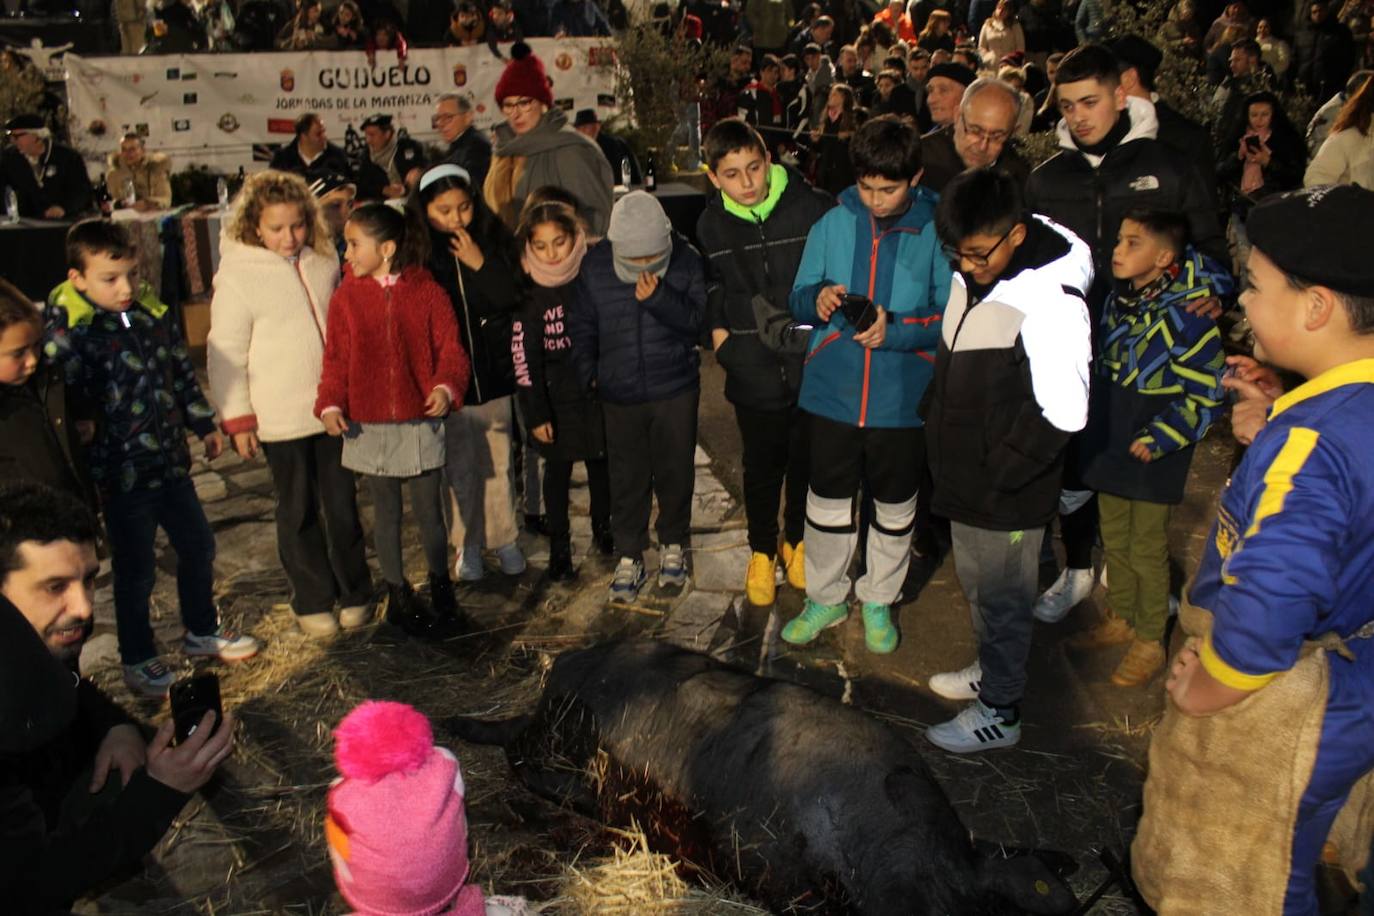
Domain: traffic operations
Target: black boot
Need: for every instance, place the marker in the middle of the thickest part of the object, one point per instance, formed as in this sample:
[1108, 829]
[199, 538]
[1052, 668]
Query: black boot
[536, 524]
[403, 611]
[449, 619]
[560, 560]
[602, 537]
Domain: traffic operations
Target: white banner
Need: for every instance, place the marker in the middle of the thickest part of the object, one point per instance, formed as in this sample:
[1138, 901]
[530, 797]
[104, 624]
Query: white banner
[229, 110]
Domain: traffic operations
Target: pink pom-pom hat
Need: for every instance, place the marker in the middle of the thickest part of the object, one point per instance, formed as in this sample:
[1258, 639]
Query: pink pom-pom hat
[396, 826]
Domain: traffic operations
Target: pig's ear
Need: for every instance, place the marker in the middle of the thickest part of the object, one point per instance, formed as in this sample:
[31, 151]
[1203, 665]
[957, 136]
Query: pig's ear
[1026, 882]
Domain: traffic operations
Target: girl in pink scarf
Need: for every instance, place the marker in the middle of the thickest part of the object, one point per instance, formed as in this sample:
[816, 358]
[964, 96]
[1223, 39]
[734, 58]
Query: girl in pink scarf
[564, 419]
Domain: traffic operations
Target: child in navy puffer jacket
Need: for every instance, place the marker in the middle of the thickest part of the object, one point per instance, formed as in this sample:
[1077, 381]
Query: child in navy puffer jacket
[639, 304]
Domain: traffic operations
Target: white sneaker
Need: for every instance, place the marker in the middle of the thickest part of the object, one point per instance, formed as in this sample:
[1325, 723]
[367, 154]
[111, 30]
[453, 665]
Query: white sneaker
[672, 567]
[977, 728]
[958, 685]
[511, 559]
[1072, 586]
[150, 679]
[222, 644]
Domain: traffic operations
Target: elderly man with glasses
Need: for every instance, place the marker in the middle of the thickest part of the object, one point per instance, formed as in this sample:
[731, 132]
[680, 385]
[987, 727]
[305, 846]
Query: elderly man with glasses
[980, 136]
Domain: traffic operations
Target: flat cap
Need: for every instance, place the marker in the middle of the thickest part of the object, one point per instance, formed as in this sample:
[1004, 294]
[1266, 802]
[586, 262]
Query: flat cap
[950, 71]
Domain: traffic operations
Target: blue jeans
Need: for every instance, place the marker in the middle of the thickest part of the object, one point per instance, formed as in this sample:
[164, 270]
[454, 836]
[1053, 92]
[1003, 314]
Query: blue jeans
[132, 520]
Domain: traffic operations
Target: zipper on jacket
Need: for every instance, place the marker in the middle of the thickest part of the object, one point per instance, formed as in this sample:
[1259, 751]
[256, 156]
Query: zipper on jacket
[310, 300]
[391, 351]
[472, 332]
[768, 286]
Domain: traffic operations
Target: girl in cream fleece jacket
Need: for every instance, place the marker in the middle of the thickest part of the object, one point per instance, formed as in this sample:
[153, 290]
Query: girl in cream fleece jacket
[265, 353]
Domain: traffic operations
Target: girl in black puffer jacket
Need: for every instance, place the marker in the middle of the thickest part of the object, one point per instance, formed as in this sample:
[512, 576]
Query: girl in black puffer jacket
[472, 256]
[564, 420]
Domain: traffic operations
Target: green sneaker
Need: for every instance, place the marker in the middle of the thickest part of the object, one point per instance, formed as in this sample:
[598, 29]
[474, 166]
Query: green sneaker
[879, 634]
[806, 626]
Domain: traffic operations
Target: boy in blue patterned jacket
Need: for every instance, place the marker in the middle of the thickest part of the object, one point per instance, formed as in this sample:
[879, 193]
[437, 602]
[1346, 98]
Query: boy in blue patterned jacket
[122, 350]
[1158, 391]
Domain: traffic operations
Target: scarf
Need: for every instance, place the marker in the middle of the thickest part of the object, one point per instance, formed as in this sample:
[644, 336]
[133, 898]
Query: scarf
[385, 158]
[1109, 142]
[552, 276]
[759, 212]
[1252, 173]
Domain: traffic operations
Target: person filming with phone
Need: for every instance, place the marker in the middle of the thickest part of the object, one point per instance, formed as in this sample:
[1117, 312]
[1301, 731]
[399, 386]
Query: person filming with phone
[83, 795]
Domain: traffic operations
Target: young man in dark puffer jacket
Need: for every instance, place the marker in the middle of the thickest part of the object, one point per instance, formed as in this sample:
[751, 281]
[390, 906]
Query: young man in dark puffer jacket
[637, 311]
[753, 234]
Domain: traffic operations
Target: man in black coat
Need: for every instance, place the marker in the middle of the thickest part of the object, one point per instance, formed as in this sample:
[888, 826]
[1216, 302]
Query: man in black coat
[83, 797]
[1323, 53]
[467, 148]
[396, 156]
[616, 150]
[980, 136]
[50, 180]
[1139, 61]
[311, 155]
[753, 232]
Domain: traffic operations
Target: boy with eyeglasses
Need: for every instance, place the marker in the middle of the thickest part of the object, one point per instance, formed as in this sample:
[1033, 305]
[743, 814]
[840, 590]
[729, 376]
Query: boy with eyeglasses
[1009, 389]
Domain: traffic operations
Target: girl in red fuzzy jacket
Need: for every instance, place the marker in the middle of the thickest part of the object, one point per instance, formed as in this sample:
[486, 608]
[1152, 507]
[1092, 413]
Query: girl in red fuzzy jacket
[393, 367]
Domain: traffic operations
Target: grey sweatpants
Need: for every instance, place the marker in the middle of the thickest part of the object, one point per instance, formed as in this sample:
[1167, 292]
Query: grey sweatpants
[999, 572]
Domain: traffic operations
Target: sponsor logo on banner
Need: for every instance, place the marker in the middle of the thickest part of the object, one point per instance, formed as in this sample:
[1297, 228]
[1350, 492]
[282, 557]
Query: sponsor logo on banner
[601, 57]
[281, 126]
[605, 100]
[181, 125]
[288, 80]
[460, 75]
[189, 75]
[144, 100]
[188, 98]
[174, 73]
[225, 75]
[228, 123]
[563, 61]
[565, 104]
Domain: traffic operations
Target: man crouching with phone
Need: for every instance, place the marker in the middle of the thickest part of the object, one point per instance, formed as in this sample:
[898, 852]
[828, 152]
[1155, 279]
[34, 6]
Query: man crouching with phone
[82, 796]
[874, 283]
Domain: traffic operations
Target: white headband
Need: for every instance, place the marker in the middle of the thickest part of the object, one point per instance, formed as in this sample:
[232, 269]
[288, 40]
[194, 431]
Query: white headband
[447, 170]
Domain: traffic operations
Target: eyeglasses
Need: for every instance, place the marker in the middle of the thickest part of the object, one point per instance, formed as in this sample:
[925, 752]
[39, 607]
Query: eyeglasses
[991, 137]
[510, 106]
[956, 257]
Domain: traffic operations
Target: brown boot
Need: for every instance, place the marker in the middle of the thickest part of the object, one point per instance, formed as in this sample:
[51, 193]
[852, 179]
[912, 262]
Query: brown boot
[1144, 659]
[1112, 631]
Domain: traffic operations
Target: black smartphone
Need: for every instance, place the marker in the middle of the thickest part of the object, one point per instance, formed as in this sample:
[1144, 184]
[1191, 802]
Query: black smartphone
[859, 311]
[192, 698]
[1253, 143]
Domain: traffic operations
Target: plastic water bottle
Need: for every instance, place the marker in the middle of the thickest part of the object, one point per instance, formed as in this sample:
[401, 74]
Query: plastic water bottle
[625, 172]
[222, 190]
[11, 206]
[130, 194]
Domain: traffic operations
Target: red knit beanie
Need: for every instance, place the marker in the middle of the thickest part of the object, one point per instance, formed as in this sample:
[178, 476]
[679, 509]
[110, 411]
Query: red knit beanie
[524, 76]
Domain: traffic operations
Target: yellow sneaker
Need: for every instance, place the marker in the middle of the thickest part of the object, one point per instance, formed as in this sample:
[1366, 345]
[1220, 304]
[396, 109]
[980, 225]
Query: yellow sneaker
[759, 582]
[794, 562]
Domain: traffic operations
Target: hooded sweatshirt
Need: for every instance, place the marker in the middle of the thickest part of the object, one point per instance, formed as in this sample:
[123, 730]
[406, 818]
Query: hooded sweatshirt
[553, 153]
[1088, 192]
[266, 346]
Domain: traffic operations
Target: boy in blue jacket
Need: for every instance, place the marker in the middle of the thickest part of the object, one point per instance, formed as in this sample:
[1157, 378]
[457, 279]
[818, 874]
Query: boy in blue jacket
[862, 387]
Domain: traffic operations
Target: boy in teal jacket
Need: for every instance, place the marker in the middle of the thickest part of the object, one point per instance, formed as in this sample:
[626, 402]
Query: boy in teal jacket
[861, 388]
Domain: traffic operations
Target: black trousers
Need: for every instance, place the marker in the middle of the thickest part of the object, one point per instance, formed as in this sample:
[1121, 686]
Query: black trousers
[426, 505]
[557, 483]
[886, 461]
[651, 449]
[1078, 529]
[776, 447]
[319, 537]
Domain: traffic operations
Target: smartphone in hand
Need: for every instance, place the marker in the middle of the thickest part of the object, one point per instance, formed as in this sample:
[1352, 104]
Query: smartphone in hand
[192, 698]
[859, 311]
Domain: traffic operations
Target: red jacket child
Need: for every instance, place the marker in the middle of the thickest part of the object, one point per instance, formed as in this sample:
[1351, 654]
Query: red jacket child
[388, 347]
